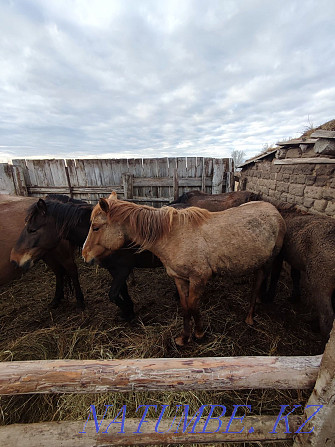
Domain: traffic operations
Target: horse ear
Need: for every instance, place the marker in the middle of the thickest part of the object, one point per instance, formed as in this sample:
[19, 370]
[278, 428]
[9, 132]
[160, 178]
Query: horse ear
[104, 205]
[113, 196]
[41, 206]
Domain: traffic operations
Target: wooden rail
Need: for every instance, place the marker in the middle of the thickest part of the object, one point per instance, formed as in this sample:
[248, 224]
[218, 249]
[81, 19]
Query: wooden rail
[175, 374]
[205, 373]
[67, 434]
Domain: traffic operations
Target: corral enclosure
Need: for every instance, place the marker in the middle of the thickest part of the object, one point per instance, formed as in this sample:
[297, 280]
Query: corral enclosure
[32, 332]
[155, 181]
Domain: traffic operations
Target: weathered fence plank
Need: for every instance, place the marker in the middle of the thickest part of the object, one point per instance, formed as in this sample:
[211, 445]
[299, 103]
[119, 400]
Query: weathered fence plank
[152, 181]
[67, 434]
[206, 373]
[323, 433]
[7, 185]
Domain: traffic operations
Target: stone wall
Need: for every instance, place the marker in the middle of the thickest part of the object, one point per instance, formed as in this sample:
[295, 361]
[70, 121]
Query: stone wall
[309, 185]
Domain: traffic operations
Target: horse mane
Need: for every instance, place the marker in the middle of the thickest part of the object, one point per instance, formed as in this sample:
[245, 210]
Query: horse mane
[148, 223]
[63, 198]
[67, 215]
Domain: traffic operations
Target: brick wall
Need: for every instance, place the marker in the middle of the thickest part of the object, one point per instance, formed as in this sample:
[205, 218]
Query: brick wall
[310, 186]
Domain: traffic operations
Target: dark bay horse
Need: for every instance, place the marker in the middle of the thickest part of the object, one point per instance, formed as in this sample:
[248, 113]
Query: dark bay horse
[193, 244]
[214, 202]
[13, 210]
[309, 247]
[49, 221]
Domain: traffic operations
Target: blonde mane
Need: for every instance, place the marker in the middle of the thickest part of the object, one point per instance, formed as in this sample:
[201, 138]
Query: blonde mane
[148, 223]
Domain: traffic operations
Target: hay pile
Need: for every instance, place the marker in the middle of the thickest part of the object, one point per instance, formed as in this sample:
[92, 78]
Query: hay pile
[31, 331]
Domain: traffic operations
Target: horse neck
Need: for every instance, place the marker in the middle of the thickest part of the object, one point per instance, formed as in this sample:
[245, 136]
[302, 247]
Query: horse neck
[144, 226]
[72, 221]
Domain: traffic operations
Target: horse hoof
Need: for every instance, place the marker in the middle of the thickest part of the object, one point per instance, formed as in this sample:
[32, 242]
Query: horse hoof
[199, 334]
[54, 304]
[180, 341]
[249, 321]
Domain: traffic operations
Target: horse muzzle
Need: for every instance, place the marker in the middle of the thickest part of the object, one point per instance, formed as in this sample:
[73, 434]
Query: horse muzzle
[23, 262]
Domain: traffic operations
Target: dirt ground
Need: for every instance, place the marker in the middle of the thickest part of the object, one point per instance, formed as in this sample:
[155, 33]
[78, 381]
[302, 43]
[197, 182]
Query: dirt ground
[31, 331]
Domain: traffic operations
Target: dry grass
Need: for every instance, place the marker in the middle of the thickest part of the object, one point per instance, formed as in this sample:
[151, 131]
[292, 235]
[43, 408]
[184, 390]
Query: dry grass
[30, 331]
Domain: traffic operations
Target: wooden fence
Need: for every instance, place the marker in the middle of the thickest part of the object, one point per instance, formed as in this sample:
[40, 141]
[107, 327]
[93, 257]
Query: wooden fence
[152, 181]
[222, 373]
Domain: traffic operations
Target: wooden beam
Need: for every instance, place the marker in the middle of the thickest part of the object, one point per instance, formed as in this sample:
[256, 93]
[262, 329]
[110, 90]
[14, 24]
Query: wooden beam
[106, 190]
[297, 141]
[297, 161]
[323, 134]
[169, 181]
[67, 434]
[323, 434]
[205, 373]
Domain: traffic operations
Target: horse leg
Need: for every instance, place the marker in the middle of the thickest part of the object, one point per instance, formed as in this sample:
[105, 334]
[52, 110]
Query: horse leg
[324, 301]
[183, 290]
[260, 275]
[64, 254]
[118, 292]
[59, 273]
[295, 275]
[268, 295]
[195, 292]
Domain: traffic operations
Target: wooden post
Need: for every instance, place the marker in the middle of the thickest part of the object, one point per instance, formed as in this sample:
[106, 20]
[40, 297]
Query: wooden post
[203, 176]
[19, 181]
[204, 373]
[127, 180]
[175, 184]
[68, 181]
[218, 171]
[323, 434]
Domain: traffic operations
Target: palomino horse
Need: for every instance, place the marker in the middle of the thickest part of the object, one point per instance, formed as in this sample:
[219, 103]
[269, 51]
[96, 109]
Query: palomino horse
[49, 221]
[214, 202]
[13, 210]
[309, 247]
[193, 244]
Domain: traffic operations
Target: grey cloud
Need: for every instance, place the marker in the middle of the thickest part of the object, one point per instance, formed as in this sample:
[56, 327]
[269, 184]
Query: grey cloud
[187, 78]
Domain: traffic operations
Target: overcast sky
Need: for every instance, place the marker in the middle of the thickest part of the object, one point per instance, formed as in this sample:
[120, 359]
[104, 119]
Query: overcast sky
[156, 78]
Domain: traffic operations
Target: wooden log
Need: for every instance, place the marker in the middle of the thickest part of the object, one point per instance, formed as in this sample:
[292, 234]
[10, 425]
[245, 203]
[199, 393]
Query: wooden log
[323, 434]
[67, 434]
[206, 373]
[298, 161]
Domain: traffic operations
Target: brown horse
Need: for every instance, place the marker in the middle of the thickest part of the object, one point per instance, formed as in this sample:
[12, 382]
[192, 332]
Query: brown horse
[193, 244]
[309, 247]
[13, 210]
[214, 202]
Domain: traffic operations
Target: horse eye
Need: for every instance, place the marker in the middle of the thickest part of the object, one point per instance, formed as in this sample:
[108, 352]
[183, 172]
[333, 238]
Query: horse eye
[95, 228]
[31, 230]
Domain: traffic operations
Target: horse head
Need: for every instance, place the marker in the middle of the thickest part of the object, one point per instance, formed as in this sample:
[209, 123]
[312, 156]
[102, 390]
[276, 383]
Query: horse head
[38, 236]
[104, 237]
